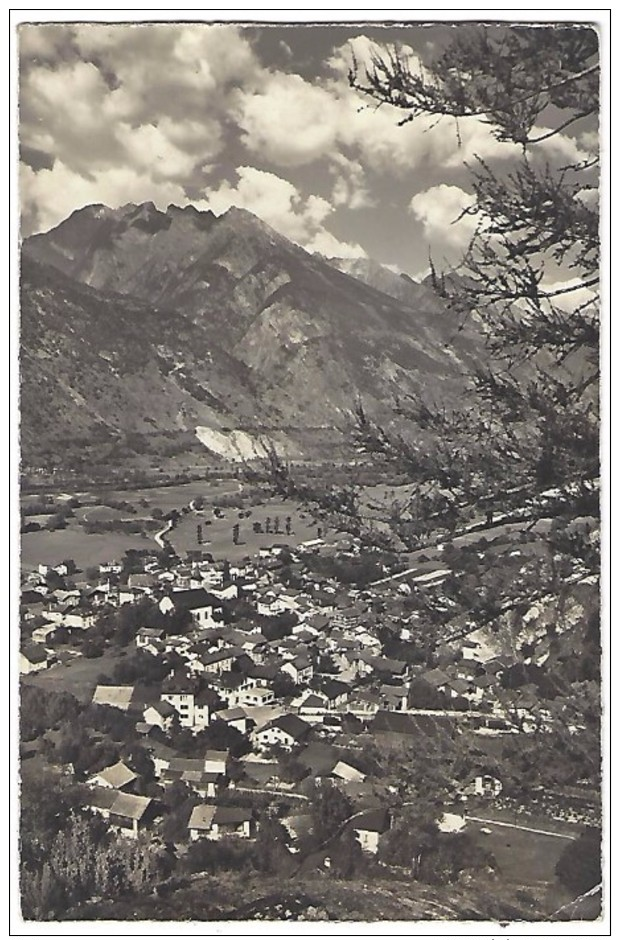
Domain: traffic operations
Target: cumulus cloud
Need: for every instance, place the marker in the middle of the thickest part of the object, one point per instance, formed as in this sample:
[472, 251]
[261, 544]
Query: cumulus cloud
[576, 295]
[439, 209]
[118, 113]
[289, 121]
[43, 42]
[562, 148]
[112, 103]
[327, 244]
[279, 203]
[350, 186]
[292, 122]
[360, 53]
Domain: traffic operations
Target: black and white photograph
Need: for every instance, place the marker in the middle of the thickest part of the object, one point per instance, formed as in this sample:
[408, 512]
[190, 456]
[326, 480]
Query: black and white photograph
[308, 394]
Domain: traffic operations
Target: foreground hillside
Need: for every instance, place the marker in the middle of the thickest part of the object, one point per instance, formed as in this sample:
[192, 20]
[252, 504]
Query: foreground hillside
[319, 898]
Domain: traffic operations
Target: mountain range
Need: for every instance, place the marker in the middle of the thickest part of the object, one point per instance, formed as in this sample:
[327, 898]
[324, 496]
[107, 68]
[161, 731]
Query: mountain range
[136, 322]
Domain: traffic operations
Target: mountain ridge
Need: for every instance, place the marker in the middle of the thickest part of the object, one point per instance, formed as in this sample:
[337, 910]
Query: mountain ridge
[272, 334]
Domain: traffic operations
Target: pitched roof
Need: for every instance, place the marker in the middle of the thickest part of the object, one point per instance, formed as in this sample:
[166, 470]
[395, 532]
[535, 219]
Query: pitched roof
[117, 775]
[35, 654]
[313, 701]
[183, 764]
[347, 771]
[178, 683]
[384, 664]
[231, 714]
[332, 688]
[165, 709]
[211, 754]
[192, 599]
[435, 677]
[374, 820]
[101, 798]
[231, 815]
[201, 817]
[118, 696]
[319, 757]
[291, 724]
[302, 661]
[130, 806]
[151, 632]
[219, 656]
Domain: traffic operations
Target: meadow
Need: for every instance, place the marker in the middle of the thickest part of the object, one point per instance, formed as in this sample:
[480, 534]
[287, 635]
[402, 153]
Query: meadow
[217, 529]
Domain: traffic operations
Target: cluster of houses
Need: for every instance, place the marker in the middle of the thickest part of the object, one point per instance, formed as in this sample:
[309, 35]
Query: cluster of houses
[299, 672]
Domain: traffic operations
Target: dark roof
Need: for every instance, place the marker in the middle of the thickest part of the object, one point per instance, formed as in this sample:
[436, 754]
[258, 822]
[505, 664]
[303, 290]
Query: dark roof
[35, 654]
[231, 714]
[178, 683]
[32, 597]
[165, 709]
[212, 754]
[291, 724]
[231, 815]
[384, 664]
[193, 598]
[182, 764]
[435, 677]
[332, 688]
[219, 656]
[313, 701]
[102, 797]
[263, 671]
[318, 757]
[374, 820]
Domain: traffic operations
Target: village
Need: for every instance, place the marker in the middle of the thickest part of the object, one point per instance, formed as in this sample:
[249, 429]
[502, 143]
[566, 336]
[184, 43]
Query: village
[245, 690]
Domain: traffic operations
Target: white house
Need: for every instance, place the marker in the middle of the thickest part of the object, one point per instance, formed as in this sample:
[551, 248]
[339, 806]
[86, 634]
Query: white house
[192, 708]
[214, 822]
[198, 602]
[299, 669]
[149, 639]
[160, 714]
[32, 659]
[255, 697]
[216, 762]
[285, 731]
[487, 785]
[60, 569]
[369, 827]
[41, 634]
[116, 777]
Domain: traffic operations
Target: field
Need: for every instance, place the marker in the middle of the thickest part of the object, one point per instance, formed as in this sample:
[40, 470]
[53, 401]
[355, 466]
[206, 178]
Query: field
[73, 542]
[45, 547]
[523, 857]
[79, 677]
[170, 497]
[217, 532]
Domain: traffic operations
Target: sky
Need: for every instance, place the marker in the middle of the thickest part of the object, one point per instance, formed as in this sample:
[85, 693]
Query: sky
[261, 117]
